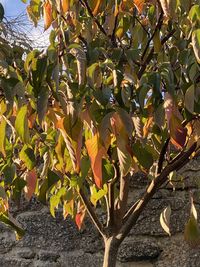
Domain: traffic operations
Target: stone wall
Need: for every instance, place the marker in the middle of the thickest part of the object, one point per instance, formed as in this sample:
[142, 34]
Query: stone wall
[53, 242]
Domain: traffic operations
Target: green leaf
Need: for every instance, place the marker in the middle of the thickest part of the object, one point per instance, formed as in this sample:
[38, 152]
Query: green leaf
[85, 166]
[96, 195]
[143, 156]
[54, 201]
[1, 12]
[194, 13]
[196, 44]
[9, 171]
[3, 136]
[108, 171]
[189, 98]
[28, 157]
[192, 232]
[17, 186]
[42, 102]
[11, 222]
[51, 179]
[21, 125]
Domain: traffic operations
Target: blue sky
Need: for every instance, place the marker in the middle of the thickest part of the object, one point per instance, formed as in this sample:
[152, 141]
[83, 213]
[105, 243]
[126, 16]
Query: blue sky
[13, 7]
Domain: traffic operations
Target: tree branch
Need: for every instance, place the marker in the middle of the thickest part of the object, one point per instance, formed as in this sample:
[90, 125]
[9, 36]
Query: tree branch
[162, 156]
[157, 28]
[123, 199]
[86, 5]
[151, 190]
[150, 55]
[111, 200]
[92, 213]
[114, 30]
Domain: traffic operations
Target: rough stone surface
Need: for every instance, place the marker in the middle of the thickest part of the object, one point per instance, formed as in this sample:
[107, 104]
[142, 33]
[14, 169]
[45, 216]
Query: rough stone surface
[138, 251]
[53, 242]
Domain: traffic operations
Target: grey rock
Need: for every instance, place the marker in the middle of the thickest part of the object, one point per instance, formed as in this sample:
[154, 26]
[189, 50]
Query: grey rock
[46, 264]
[138, 251]
[78, 258]
[48, 256]
[10, 262]
[26, 253]
[7, 241]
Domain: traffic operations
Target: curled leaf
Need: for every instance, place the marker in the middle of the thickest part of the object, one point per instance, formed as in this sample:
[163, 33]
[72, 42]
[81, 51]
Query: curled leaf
[80, 56]
[165, 219]
[80, 215]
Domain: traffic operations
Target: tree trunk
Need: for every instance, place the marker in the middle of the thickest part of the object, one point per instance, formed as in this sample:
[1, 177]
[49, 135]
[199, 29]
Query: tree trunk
[110, 253]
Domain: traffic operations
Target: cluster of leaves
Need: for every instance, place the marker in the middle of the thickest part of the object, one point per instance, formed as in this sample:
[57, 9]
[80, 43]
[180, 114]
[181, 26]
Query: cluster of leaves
[118, 82]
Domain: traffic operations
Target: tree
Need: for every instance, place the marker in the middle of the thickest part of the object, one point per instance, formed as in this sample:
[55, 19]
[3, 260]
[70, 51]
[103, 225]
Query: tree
[116, 91]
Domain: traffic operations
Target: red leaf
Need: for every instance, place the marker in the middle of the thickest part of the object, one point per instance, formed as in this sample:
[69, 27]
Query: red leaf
[31, 180]
[80, 216]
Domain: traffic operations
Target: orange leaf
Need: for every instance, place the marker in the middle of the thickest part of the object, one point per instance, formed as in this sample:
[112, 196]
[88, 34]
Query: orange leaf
[65, 5]
[31, 181]
[48, 18]
[139, 5]
[147, 126]
[80, 216]
[73, 140]
[123, 149]
[177, 132]
[96, 153]
[96, 9]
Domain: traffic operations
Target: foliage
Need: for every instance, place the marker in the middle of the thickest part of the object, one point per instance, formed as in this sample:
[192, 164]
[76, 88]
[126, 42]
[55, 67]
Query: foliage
[117, 91]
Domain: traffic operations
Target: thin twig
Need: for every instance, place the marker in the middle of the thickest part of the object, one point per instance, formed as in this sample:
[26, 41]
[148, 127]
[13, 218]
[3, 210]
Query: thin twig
[162, 156]
[150, 55]
[92, 213]
[141, 25]
[157, 28]
[86, 5]
[114, 30]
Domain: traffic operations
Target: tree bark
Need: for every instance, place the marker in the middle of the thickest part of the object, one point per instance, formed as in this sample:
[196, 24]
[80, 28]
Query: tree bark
[110, 252]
